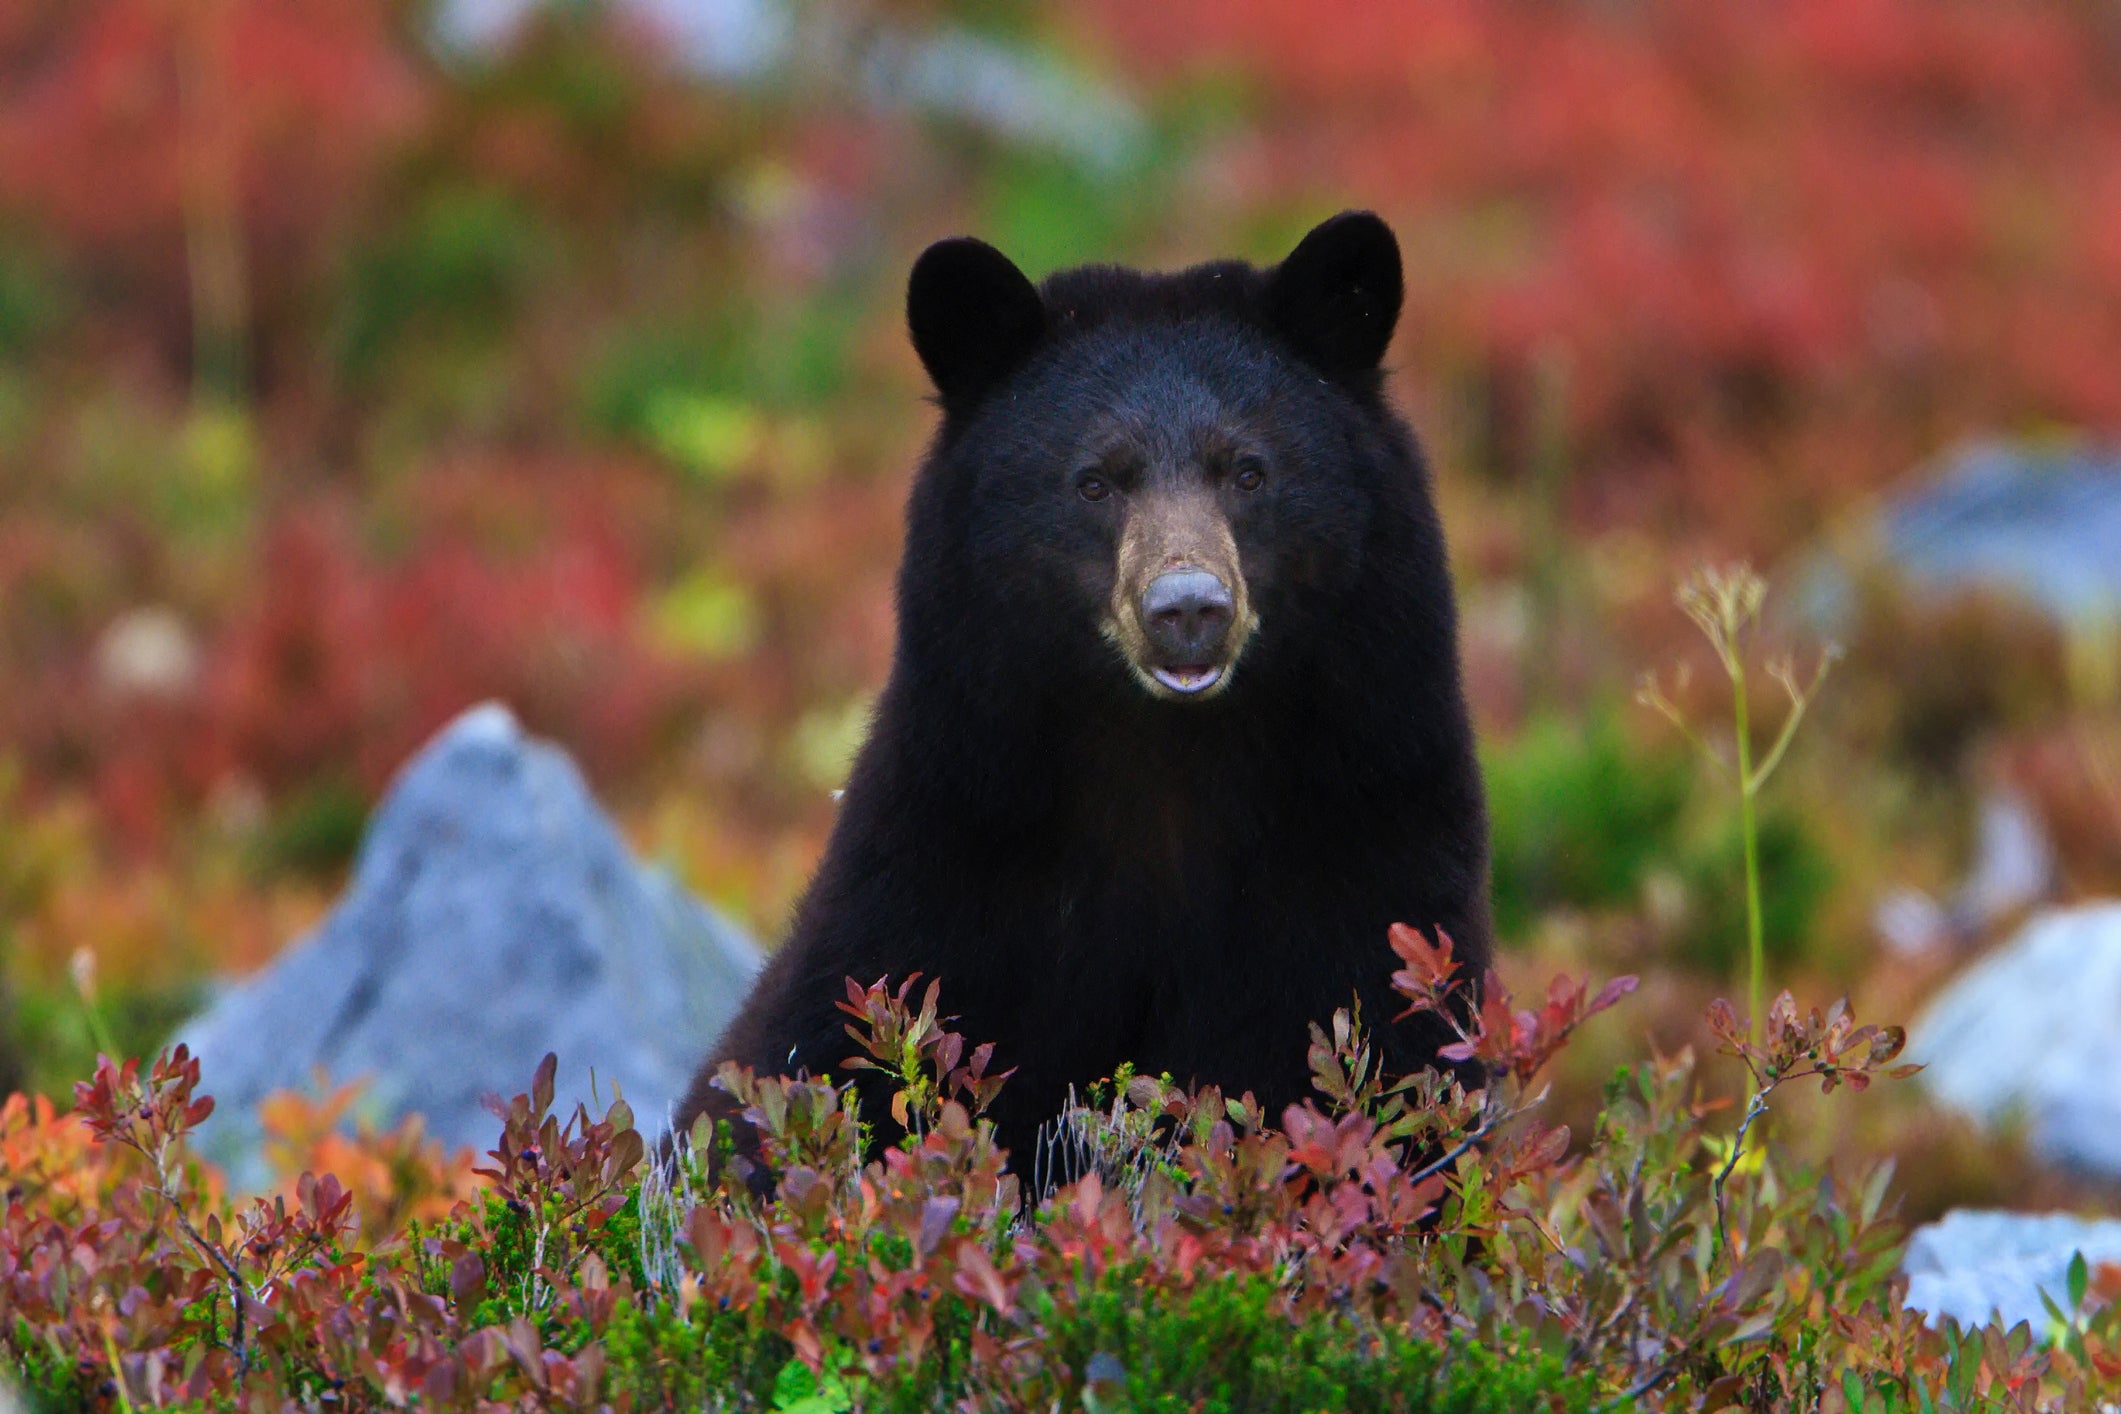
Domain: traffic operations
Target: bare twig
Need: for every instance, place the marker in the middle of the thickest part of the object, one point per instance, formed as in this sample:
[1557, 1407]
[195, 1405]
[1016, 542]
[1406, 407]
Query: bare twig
[1663, 1371]
[1461, 1148]
[1755, 1108]
[238, 1289]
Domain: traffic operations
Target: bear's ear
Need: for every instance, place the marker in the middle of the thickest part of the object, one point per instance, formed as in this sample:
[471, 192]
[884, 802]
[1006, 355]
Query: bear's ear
[973, 316]
[1336, 298]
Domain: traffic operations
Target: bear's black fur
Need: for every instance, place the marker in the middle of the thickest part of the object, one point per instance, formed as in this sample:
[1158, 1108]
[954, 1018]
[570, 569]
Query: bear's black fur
[1100, 858]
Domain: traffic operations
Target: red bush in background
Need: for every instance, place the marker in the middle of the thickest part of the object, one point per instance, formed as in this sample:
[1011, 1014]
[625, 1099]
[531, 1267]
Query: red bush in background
[1788, 250]
[342, 663]
[135, 130]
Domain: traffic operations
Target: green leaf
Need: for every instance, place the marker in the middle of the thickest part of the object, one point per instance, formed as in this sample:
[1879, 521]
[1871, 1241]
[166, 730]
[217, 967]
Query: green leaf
[797, 1391]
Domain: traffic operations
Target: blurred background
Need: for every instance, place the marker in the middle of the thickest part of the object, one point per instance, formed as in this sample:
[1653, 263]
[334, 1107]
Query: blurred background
[362, 361]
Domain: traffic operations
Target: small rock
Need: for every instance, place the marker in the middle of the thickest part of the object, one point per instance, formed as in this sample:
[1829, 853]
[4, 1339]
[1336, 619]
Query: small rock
[148, 652]
[2033, 1031]
[1974, 1265]
[494, 915]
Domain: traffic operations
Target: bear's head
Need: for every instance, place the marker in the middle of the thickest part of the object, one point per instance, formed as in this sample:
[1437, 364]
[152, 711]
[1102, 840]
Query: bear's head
[1142, 480]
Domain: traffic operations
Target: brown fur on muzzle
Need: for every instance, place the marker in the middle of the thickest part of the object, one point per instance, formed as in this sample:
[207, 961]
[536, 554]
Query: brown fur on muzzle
[1169, 530]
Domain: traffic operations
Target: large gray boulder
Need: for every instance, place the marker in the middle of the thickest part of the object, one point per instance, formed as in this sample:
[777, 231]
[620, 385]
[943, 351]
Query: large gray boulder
[2032, 1033]
[494, 915]
[1972, 1266]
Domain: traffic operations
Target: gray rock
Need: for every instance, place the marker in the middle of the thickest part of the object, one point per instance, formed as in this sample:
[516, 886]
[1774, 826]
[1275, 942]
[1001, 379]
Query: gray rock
[2036, 522]
[2033, 1031]
[494, 915]
[1974, 1265]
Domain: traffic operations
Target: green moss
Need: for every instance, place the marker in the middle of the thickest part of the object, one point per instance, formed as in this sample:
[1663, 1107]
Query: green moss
[715, 1359]
[47, 1382]
[1226, 1347]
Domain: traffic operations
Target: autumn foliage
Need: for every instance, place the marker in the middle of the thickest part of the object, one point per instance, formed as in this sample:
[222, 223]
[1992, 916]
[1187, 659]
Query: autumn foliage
[1395, 1243]
[347, 379]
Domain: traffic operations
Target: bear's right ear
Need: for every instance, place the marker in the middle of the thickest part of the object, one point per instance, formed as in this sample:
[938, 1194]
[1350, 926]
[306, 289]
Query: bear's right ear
[973, 315]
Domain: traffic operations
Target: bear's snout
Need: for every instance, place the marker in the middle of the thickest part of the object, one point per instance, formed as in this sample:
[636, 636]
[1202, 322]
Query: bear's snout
[1180, 612]
[1186, 615]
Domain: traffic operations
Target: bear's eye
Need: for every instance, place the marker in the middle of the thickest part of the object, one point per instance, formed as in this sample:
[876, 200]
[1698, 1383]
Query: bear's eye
[1251, 474]
[1092, 487]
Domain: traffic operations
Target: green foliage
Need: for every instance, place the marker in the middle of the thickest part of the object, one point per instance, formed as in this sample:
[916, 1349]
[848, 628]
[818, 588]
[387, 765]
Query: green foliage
[46, 1377]
[58, 1038]
[1225, 1346]
[1049, 211]
[1796, 877]
[31, 300]
[1579, 814]
[650, 381]
[665, 1360]
[456, 272]
[1584, 816]
[314, 832]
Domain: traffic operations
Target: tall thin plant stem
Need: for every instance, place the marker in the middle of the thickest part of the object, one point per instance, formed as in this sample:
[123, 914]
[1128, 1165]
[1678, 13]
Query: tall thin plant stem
[1724, 604]
[1749, 834]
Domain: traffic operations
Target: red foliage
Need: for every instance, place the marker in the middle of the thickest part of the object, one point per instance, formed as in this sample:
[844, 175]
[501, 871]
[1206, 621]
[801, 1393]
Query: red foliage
[343, 662]
[1788, 249]
[111, 109]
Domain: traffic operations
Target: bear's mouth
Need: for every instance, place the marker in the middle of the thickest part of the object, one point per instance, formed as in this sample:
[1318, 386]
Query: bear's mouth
[1189, 681]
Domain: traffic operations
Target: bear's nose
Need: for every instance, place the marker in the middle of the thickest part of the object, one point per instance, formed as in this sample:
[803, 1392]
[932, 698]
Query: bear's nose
[1186, 615]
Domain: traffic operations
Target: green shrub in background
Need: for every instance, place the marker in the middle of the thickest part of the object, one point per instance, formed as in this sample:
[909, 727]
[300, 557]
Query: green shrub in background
[1579, 814]
[317, 831]
[456, 273]
[56, 1038]
[1585, 816]
[1582, 815]
[792, 357]
[31, 300]
[1796, 877]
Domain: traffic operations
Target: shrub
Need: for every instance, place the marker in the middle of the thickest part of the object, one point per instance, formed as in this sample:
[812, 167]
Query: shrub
[1796, 877]
[1397, 1243]
[1580, 814]
[1583, 817]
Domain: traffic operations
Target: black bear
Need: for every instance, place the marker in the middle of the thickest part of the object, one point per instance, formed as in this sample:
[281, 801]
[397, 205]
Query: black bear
[1174, 729]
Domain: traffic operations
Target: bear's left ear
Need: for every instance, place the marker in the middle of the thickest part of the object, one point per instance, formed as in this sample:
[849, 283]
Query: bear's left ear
[973, 315]
[1336, 297]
